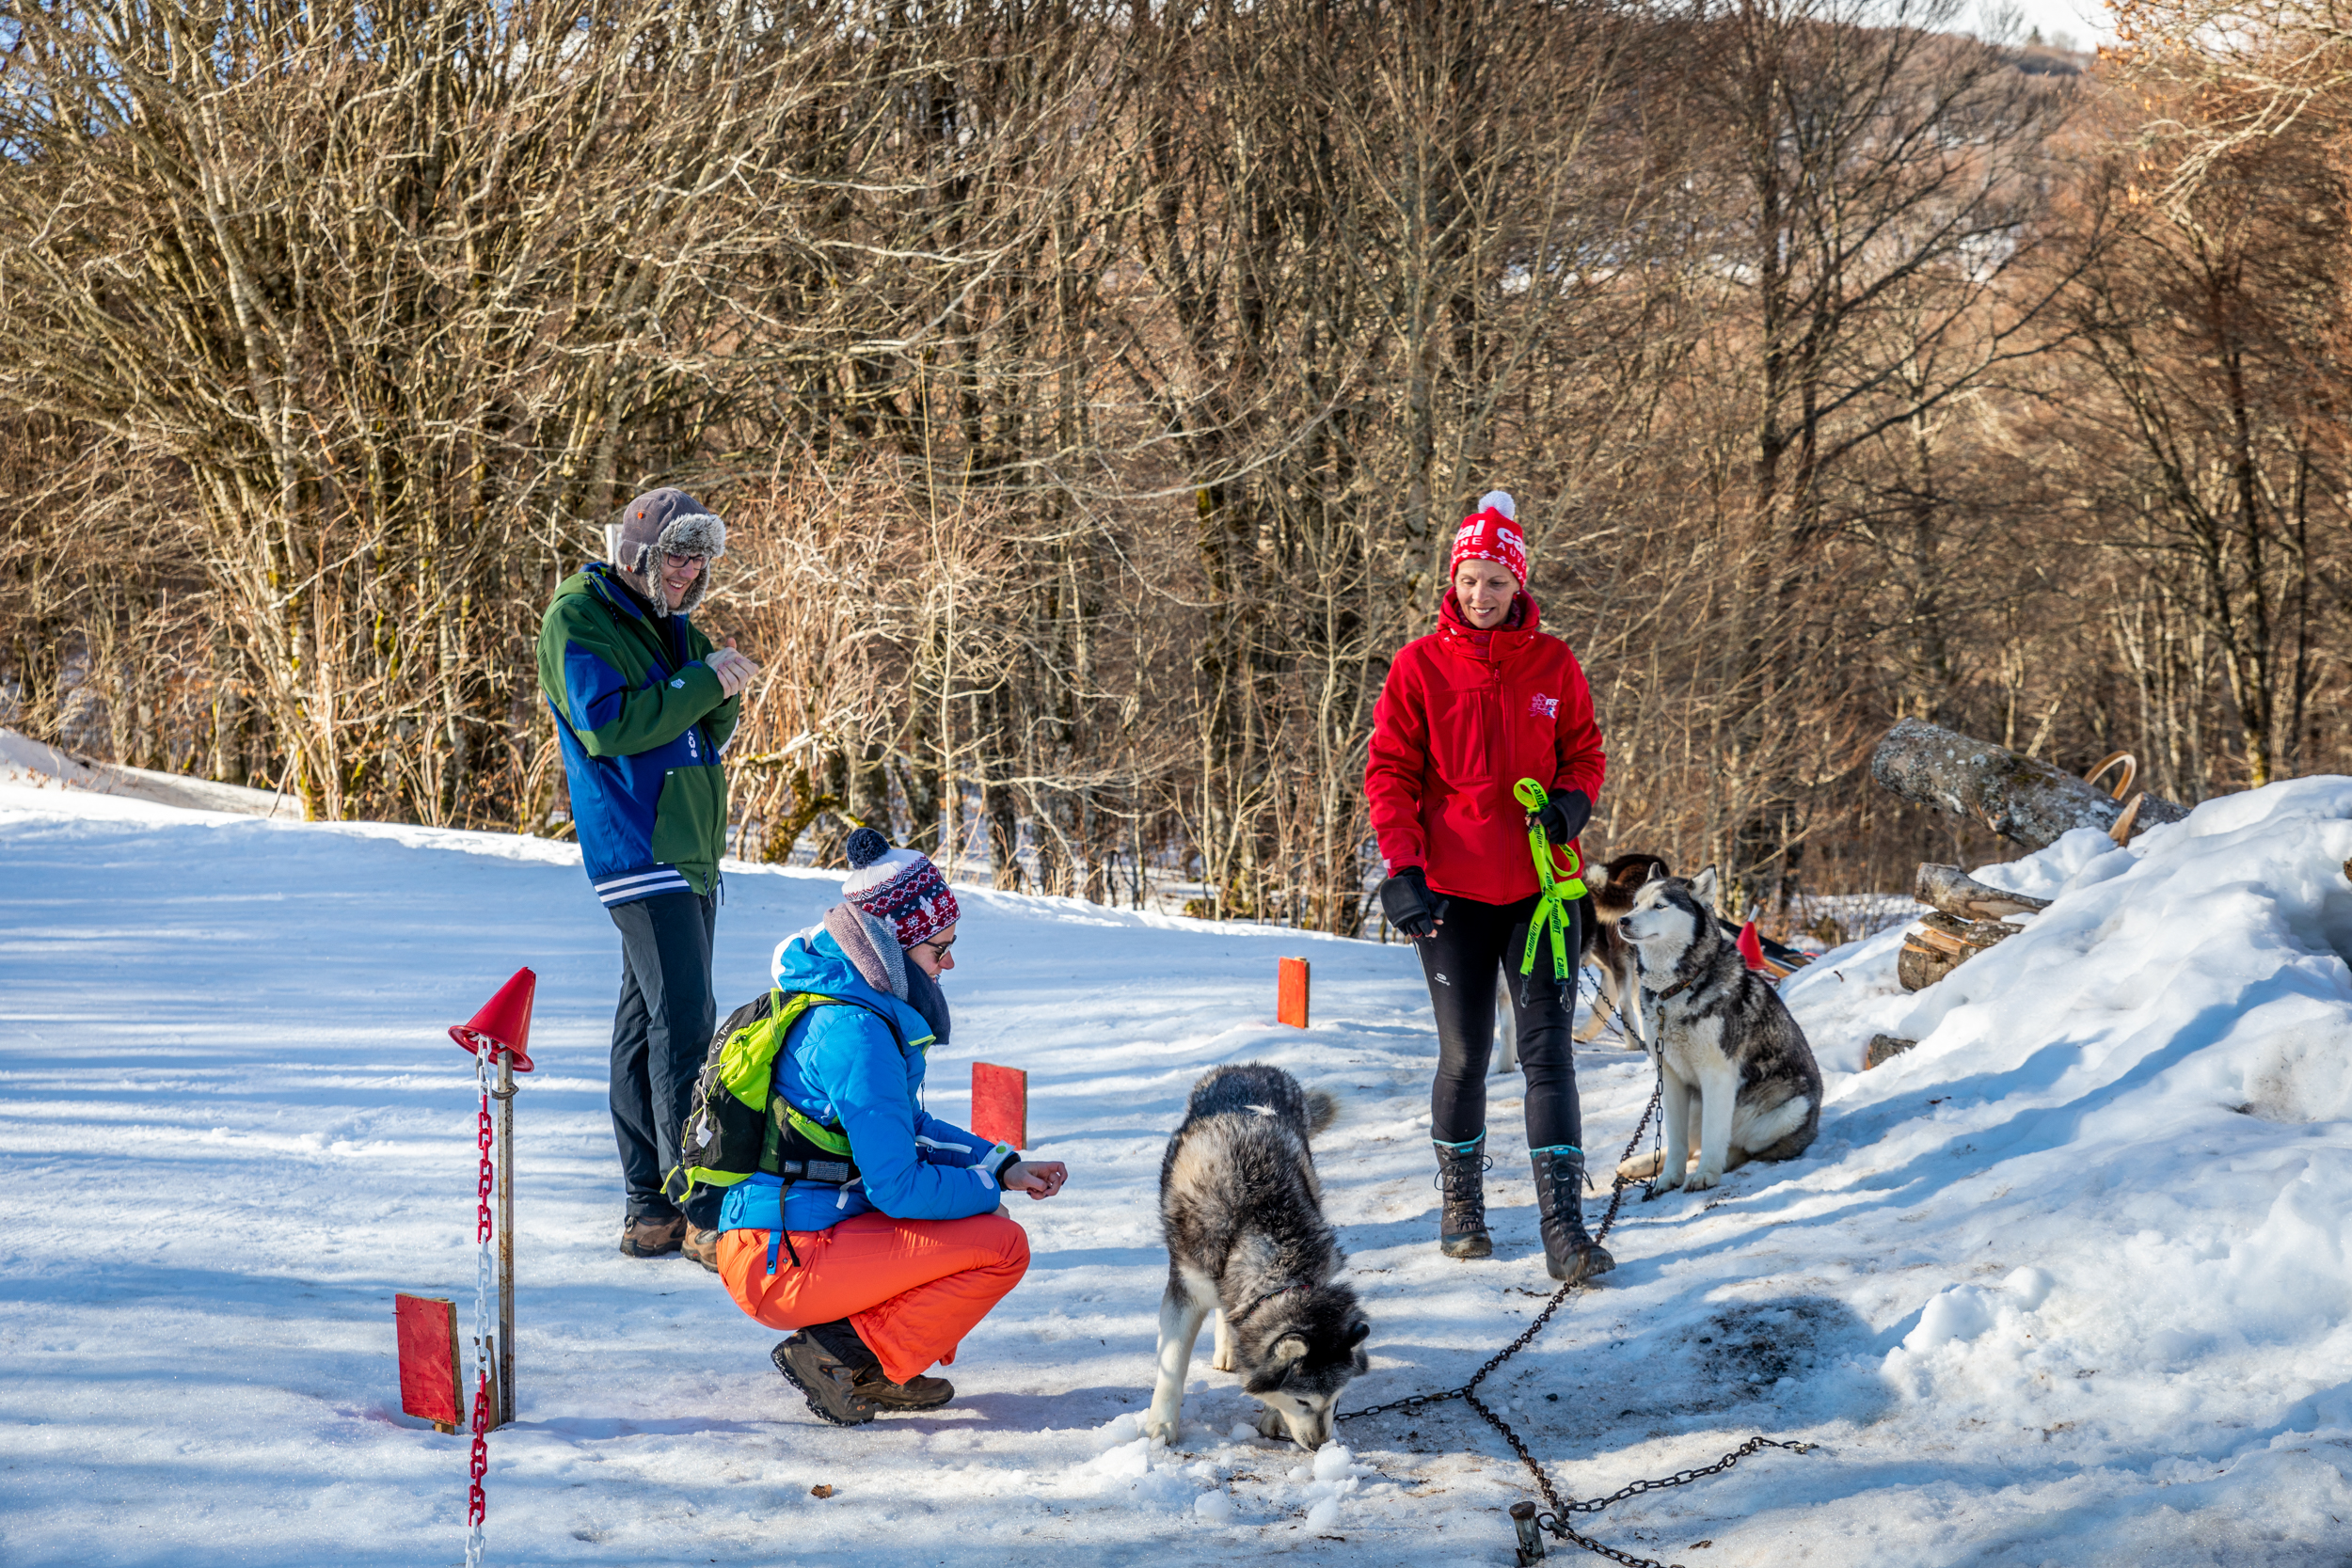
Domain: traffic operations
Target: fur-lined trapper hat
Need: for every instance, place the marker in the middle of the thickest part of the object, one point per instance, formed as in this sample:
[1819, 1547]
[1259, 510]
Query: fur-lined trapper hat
[664, 522]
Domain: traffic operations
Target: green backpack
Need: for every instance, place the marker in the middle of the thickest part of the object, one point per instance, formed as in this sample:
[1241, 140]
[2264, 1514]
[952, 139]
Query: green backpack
[739, 1124]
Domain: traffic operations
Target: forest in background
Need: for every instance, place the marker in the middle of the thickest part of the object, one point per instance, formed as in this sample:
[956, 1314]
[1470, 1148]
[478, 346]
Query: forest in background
[1092, 390]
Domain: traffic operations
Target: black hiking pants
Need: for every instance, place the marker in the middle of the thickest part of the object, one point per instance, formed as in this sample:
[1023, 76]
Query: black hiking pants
[1473, 946]
[661, 1033]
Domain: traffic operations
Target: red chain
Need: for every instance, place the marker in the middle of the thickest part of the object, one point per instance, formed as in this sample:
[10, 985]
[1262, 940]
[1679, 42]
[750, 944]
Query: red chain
[477, 1506]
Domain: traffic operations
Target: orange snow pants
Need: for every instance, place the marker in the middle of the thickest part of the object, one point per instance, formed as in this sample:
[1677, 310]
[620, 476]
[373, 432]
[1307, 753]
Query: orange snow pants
[912, 1289]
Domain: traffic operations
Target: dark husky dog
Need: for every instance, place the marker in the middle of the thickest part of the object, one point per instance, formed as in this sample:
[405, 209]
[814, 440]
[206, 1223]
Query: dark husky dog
[1613, 900]
[1719, 1032]
[1247, 1240]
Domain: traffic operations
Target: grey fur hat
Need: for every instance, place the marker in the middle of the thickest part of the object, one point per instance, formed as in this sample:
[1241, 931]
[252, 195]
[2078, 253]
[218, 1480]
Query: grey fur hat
[664, 521]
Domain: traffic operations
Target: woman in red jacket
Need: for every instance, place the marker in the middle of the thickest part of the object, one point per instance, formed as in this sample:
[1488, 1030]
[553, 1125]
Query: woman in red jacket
[1484, 701]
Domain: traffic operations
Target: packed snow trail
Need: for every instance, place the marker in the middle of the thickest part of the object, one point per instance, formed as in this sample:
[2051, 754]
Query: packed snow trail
[2066, 1284]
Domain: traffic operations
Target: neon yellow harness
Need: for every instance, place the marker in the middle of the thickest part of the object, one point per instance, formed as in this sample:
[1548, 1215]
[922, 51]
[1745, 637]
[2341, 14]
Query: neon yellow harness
[1551, 908]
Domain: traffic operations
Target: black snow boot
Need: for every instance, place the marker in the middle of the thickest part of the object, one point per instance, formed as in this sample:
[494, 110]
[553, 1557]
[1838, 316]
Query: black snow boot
[1571, 1254]
[1461, 1175]
[823, 1362]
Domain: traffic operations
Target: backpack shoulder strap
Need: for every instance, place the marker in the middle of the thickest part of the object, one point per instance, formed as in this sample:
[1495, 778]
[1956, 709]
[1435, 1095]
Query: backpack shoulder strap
[826, 1136]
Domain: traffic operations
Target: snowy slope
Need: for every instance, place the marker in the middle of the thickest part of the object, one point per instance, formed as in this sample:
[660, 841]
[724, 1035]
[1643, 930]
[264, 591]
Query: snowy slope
[2066, 1284]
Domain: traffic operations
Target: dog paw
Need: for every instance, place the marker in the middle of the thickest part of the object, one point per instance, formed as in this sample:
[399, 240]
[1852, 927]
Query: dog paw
[1221, 1363]
[1700, 1180]
[1668, 1182]
[1160, 1428]
[1270, 1423]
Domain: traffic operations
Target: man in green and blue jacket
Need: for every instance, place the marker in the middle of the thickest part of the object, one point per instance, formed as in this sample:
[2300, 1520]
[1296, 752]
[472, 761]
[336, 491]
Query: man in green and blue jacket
[644, 705]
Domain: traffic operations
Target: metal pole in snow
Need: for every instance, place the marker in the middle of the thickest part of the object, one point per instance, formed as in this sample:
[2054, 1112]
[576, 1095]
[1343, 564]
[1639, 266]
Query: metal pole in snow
[504, 1095]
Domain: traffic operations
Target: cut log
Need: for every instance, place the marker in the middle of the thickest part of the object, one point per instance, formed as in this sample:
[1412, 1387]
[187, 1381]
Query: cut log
[1941, 944]
[1940, 941]
[1954, 892]
[1918, 967]
[2023, 799]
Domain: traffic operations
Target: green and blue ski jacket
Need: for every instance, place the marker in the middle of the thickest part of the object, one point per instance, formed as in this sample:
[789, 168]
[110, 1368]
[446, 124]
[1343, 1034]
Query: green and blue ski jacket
[643, 720]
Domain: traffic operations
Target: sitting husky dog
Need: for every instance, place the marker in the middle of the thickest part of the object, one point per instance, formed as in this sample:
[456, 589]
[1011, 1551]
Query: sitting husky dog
[1247, 1240]
[1721, 1031]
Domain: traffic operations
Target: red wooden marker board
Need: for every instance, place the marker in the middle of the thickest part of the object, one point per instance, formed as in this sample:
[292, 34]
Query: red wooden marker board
[429, 1373]
[1290, 999]
[1000, 1104]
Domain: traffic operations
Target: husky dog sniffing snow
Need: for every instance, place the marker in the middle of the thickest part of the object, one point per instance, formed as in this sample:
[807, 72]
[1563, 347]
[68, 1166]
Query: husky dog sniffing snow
[1719, 1032]
[1247, 1240]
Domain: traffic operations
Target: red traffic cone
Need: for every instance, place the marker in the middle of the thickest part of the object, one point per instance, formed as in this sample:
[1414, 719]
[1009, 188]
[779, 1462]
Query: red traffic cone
[504, 1022]
[1751, 947]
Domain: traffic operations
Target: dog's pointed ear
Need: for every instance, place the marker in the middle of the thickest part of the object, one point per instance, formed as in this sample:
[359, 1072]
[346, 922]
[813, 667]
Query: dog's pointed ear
[1704, 886]
[1658, 870]
[1357, 1332]
[1281, 1360]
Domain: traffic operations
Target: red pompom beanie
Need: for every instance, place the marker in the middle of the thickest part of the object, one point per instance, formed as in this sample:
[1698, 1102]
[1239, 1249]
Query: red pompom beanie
[900, 888]
[1492, 533]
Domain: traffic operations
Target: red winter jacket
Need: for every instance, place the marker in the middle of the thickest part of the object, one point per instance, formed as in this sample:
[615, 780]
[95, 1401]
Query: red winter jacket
[1463, 716]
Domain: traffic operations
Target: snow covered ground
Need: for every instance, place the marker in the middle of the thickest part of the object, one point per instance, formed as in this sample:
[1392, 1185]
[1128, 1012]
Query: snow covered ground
[2066, 1284]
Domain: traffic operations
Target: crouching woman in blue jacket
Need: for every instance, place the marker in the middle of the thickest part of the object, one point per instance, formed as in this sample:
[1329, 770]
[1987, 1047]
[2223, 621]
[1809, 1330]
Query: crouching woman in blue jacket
[885, 1274]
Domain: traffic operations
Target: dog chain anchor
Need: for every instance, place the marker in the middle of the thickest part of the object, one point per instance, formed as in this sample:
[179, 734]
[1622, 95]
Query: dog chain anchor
[1551, 913]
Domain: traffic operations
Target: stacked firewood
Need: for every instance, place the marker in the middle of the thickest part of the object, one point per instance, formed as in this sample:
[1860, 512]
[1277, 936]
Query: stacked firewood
[1969, 917]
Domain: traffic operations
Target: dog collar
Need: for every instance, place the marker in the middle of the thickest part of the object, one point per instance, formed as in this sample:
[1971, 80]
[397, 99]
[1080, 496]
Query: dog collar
[1674, 989]
[1263, 1300]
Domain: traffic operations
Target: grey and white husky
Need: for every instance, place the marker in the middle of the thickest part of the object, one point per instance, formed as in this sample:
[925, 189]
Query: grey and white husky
[1719, 1032]
[1247, 1240]
[1608, 952]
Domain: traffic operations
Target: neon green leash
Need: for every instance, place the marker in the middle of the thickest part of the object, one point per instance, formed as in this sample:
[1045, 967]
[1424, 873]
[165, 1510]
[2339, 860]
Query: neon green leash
[1551, 908]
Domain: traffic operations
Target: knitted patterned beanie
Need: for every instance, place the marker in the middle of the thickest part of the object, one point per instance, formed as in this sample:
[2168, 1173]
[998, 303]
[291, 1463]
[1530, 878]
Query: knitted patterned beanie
[1492, 533]
[900, 888]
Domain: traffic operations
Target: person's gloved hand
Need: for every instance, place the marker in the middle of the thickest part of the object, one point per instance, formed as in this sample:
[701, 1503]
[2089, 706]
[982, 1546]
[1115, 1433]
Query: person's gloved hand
[1563, 815]
[1411, 908]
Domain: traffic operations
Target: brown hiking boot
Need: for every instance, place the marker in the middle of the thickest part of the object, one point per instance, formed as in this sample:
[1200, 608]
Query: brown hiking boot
[830, 1384]
[702, 1246]
[644, 1236]
[915, 1393]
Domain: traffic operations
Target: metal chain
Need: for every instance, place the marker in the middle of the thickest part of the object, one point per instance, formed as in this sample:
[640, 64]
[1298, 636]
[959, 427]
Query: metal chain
[477, 1506]
[1555, 1521]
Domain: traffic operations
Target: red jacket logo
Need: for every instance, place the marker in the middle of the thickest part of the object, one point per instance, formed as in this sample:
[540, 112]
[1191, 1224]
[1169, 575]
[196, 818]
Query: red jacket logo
[1540, 707]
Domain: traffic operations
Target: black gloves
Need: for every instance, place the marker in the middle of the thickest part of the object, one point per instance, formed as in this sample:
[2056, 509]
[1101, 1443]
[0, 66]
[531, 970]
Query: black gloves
[1410, 907]
[1565, 815]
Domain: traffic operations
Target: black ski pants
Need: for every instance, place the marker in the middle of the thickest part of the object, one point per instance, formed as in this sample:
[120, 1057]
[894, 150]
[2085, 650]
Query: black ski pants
[661, 1033]
[1474, 943]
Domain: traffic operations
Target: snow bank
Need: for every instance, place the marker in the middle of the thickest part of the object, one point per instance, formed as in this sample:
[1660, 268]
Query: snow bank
[2066, 1283]
[26, 763]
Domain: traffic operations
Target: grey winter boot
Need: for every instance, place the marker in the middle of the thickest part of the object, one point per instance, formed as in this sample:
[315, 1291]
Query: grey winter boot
[1461, 1175]
[1571, 1254]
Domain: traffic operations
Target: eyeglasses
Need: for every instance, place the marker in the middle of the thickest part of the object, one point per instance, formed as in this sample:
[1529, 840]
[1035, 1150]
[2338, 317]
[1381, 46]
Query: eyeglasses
[940, 946]
[679, 563]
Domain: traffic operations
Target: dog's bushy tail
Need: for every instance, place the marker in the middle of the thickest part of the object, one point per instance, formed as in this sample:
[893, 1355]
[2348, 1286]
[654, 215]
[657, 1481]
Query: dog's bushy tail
[1323, 1109]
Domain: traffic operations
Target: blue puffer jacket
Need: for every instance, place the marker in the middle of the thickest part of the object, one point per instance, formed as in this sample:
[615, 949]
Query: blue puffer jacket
[842, 1064]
